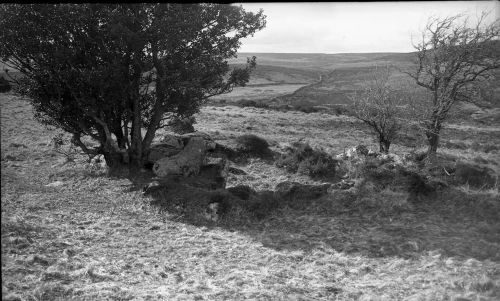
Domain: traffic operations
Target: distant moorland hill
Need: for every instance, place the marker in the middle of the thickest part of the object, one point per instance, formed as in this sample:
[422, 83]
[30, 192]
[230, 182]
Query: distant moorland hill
[308, 79]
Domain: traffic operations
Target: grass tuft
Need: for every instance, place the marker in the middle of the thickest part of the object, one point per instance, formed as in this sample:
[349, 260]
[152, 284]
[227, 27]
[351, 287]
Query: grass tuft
[303, 159]
[253, 145]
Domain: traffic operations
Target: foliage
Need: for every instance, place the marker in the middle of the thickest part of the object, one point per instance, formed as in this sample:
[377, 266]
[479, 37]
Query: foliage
[381, 107]
[116, 71]
[302, 158]
[4, 85]
[253, 145]
[453, 61]
[183, 125]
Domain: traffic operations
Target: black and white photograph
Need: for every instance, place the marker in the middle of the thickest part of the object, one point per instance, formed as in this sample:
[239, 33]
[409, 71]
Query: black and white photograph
[250, 151]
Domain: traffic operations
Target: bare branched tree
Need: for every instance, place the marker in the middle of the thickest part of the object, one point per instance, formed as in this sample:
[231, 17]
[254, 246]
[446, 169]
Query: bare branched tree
[381, 107]
[453, 59]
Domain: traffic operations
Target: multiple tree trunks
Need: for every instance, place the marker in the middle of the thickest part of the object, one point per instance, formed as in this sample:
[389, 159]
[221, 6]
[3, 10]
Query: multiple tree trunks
[120, 72]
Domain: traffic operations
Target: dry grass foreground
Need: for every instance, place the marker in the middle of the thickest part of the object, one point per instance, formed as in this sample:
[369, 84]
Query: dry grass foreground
[92, 238]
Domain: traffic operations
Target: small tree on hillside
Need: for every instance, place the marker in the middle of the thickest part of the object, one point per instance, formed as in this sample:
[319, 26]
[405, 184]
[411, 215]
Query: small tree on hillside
[381, 107]
[452, 59]
[120, 72]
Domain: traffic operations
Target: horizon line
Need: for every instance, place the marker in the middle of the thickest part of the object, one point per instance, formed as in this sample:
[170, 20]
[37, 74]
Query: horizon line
[324, 52]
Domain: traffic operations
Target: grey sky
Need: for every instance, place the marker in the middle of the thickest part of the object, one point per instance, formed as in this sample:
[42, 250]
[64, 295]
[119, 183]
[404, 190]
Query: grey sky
[351, 27]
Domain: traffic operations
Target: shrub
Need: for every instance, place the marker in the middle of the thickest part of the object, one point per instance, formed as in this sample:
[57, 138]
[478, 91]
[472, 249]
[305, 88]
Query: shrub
[475, 176]
[302, 158]
[385, 175]
[253, 145]
[252, 103]
[4, 85]
[340, 110]
[183, 125]
[306, 108]
[242, 191]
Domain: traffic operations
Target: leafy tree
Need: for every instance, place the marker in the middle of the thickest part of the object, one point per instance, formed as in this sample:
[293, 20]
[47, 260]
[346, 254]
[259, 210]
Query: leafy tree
[453, 61]
[120, 72]
[381, 107]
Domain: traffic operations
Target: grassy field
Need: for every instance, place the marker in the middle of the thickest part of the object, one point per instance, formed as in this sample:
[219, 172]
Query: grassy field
[92, 237]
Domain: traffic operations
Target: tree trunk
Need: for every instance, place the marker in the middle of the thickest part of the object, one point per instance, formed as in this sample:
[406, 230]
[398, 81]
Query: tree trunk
[432, 134]
[117, 164]
[384, 145]
[135, 150]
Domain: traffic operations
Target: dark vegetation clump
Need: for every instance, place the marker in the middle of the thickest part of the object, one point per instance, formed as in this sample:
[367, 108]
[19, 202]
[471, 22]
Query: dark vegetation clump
[303, 159]
[473, 175]
[253, 103]
[4, 85]
[183, 126]
[340, 110]
[385, 175]
[253, 145]
[242, 191]
[307, 109]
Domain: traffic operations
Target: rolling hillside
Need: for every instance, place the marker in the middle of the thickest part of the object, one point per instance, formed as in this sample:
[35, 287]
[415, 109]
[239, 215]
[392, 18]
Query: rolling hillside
[325, 62]
[308, 79]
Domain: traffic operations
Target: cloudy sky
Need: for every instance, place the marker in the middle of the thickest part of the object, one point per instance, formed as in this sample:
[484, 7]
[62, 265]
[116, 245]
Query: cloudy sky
[351, 27]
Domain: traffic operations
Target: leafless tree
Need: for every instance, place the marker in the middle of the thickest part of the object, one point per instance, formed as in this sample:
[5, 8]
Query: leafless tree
[381, 107]
[453, 59]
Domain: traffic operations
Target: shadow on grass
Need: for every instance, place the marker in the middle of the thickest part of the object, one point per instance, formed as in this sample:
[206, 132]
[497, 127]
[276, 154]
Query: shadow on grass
[306, 217]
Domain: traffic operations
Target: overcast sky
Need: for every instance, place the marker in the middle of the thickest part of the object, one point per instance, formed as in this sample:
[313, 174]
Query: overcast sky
[351, 27]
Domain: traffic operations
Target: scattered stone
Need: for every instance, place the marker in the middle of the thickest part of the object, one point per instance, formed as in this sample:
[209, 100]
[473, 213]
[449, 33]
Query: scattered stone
[354, 153]
[344, 184]
[159, 151]
[212, 212]
[236, 171]
[36, 259]
[172, 145]
[98, 161]
[393, 158]
[471, 262]
[155, 185]
[210, 144]
[17, 145]
[172, 140]
[69, 253]
[55, 184]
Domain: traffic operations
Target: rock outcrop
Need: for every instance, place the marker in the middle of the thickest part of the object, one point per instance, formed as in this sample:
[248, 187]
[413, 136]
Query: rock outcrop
[187, 162]
[170, 145]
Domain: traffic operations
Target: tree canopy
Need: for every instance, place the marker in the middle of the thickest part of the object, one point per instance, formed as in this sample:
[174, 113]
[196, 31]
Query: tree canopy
[453, 59]
[119, 72]
[382, 106]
